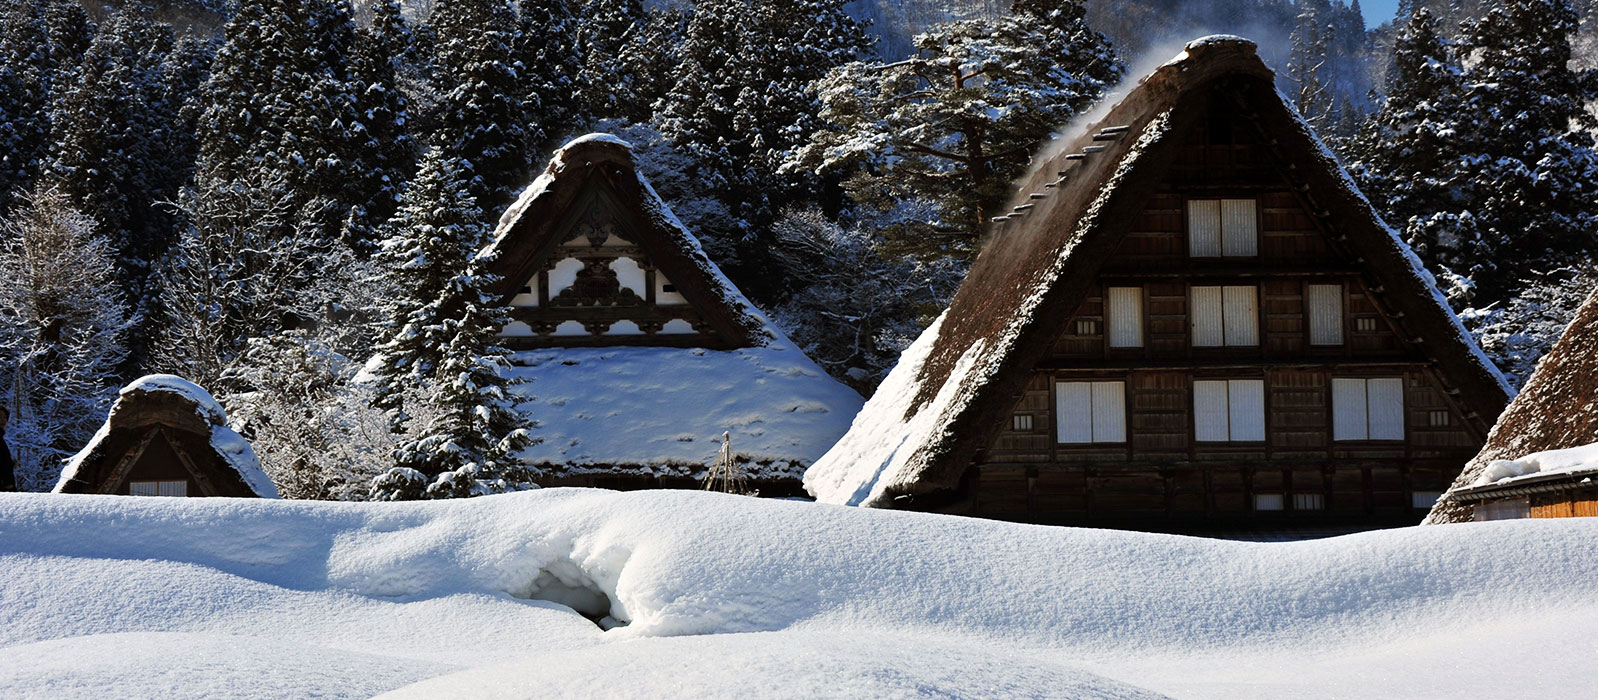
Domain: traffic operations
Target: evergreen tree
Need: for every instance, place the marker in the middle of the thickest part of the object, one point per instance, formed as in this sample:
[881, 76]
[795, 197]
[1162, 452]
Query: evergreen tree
[607, 86]
[40, 42]
[1532, 190]
[385, 146]
[1407, 156]
[939, 137]
[443, 323]
[111, 128]
[742, 102]
[481, 114]
[549, 75]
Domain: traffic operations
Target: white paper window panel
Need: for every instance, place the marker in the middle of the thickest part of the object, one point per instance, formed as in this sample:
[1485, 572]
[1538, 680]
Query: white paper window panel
[1309, 501]
[1204, 228]
[1267, 501]
[1246, 399]
[1239, 228]
[1109, 412]
[1240, 315]
[1385, 406]
[1211, 414]
[1424, 499]
[1073, 408]
[1349, 420]
[1204, 313]
[158, 488]
[1126, 317]
[1090, 412]
[1324, 302]
[1512, 509]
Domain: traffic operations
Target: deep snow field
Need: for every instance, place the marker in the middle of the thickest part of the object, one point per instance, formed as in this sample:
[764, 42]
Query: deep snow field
[726, 596]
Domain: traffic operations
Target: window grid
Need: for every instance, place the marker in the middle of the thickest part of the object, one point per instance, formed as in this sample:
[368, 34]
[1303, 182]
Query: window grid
[1309, 501]
[1224, 316]
[1022, 422]
[1090, 412]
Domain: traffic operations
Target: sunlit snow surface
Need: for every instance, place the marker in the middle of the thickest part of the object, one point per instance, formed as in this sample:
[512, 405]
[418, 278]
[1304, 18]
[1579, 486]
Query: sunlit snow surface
[104, 596]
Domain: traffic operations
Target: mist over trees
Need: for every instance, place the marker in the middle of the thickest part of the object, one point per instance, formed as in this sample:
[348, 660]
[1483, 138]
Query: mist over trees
[246, 188]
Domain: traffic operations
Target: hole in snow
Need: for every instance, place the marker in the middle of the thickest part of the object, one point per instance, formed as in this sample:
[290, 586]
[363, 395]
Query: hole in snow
[564, 583]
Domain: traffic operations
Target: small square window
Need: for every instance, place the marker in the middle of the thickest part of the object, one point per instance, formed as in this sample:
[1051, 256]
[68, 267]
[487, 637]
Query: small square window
[1424, 499]
[1267, 501]
[1365, 324]
[527, 290]
[1087, 326]
[1021, 423]
[1309, 501]
[1439, 419]
[669, 288]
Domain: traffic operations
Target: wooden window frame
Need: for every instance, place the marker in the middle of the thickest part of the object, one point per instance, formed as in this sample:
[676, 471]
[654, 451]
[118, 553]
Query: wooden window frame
[1126, 427]
[1403, 409]
[1192, 314]
[1265, 411]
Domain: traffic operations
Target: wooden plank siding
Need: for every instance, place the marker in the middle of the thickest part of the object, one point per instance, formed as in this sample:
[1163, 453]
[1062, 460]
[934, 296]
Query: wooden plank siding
[1161, 473]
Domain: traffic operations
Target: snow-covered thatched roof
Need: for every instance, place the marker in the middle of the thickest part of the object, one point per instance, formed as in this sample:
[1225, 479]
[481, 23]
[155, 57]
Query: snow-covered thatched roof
[181, 412]
[1540, 437]
[659, 411]
[946, 399]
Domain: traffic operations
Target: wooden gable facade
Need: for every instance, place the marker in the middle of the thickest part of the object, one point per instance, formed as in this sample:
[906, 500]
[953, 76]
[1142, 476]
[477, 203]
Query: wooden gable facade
[592, 257]
[1191, 320]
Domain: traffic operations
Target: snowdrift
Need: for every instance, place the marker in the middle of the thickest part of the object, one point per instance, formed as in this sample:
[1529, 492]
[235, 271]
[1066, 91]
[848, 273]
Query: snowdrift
[708, 595]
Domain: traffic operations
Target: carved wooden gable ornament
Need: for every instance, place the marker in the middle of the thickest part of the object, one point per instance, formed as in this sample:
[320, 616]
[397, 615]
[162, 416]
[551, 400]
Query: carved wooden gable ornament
[590, 256]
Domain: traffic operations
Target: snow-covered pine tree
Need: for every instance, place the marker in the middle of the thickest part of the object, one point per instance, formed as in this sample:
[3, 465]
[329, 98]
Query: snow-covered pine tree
[742, 102]
[1532, 193]
[385, 149]
[61, 326]
[551, 66]
[435, 232]
[481, 116]
[606, 85]
[40, 42]
[111, 128]
[955, 124]
[650, 62]
[1407, 156]
[442, 325]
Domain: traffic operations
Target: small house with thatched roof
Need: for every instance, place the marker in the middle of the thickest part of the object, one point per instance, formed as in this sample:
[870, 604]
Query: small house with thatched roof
[1190, 318]
[639, 353]
[1541, 459]
[166, 436]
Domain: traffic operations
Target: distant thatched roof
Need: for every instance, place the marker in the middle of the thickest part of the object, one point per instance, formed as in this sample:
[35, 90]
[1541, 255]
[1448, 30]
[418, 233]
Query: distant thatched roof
[162, 407]
[945, 401]
[1556, 409]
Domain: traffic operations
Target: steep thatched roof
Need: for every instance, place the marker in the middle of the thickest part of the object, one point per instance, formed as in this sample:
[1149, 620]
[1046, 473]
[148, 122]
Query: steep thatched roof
[945, 401]
[601, 166]
[161, 418]
[1556, 409]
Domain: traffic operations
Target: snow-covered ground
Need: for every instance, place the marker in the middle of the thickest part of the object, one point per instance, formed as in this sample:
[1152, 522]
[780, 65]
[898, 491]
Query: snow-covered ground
[728, 596]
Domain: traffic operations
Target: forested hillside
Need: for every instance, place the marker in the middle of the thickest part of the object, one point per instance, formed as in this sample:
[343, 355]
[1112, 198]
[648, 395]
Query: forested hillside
[263, 196]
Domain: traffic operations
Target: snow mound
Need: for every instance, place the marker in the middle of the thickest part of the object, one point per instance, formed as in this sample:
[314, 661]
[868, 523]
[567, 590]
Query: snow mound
[1571, 461]
[724, 596]
[234, 450]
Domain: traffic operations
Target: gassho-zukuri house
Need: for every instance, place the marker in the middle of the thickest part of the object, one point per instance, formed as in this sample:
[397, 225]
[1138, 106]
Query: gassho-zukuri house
[1191, 318]
[640, 353]
[166, 436]
[1541, 460]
